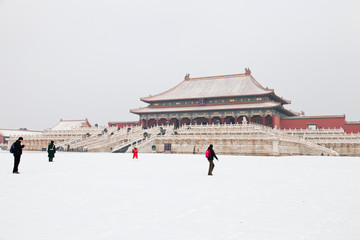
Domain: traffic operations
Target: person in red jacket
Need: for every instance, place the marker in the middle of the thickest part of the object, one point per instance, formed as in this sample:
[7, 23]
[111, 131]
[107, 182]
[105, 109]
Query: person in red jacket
[135, 155]
[210, 156]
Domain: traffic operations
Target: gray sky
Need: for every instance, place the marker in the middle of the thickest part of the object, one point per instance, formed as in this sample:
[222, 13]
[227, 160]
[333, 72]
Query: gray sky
[76, 59]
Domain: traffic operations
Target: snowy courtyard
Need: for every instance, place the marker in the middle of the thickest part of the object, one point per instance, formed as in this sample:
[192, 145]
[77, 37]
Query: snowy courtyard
[84, 196]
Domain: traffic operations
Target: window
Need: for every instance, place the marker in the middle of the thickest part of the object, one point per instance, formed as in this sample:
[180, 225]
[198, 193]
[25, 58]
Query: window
[312, 126]
[167, 146]
[202, 101]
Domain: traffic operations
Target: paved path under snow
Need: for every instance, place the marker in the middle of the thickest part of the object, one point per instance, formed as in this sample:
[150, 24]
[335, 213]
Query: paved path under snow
[169, 197]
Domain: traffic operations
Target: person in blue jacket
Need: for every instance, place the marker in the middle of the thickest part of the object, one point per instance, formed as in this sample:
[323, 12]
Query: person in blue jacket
[51, 151]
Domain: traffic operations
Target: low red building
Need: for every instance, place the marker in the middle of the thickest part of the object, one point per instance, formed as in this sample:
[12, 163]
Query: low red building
[123, 124]
[352, 127]
[313, 122]
[320, 122]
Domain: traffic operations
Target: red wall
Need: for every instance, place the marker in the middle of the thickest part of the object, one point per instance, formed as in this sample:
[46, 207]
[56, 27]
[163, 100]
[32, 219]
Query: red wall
[1, 139]
[352, 128]
[322, 122]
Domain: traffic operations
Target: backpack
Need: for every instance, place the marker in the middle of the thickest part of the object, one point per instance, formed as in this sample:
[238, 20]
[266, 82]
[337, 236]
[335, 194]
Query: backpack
[208, 153]
[12, 148]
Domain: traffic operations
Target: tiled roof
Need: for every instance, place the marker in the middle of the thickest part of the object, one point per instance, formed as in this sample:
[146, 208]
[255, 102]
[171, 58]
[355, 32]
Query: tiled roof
[210, 87]
[207, 107]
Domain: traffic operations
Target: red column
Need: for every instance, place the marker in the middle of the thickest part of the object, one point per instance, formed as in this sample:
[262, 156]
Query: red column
[147, 123]
[249, 118]
[179, 122]
[235, 119]
[190, 121]
[222, 120]
[264, 120]
[276, 121]
[140, 122]
[157, 122]
[209, 120]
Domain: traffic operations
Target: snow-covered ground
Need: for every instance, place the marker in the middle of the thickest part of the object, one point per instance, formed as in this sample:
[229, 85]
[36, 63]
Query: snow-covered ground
[165, 197]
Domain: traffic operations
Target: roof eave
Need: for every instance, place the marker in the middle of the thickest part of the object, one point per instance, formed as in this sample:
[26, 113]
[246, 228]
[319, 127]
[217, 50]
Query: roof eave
[136, 111]
[177, 99]
[281, 99]
[288, 111]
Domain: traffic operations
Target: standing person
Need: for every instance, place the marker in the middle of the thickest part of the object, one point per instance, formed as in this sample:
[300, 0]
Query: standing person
[17, 154]
[135, 155]
[51, 151]
[210, 154]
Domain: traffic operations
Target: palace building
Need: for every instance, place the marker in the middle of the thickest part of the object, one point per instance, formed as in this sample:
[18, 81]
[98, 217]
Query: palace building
[218, 99]
[229, 99]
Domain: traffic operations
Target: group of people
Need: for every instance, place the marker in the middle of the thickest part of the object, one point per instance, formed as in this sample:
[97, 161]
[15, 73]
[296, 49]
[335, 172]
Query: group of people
[17, 152]
[18, 147]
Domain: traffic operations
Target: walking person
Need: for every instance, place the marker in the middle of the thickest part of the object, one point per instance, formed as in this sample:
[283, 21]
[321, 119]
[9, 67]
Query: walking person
[135, 151]
[51, 151]
[17, 154]
[210, 154]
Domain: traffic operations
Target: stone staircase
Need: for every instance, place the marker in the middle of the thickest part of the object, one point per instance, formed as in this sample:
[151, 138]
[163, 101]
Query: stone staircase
[245, 139]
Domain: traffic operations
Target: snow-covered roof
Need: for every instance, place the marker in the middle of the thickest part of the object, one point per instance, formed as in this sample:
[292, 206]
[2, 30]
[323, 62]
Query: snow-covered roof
[314, 117]
[207, 107]
[210, 87]
[16, 132]
[70, 124]
[353, 122]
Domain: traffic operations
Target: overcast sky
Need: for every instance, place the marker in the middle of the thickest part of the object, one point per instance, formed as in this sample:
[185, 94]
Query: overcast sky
[77, 59]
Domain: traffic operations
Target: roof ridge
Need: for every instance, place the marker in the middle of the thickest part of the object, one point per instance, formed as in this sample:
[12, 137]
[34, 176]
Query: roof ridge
[72, 120]
[219, 76]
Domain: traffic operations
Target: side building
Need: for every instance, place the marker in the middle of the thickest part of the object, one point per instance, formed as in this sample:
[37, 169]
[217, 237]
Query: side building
[6, 134]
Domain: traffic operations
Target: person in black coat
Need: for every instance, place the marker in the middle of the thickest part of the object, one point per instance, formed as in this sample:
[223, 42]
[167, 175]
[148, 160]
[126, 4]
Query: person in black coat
[17, 154]
[51, 151]
[210, 158]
